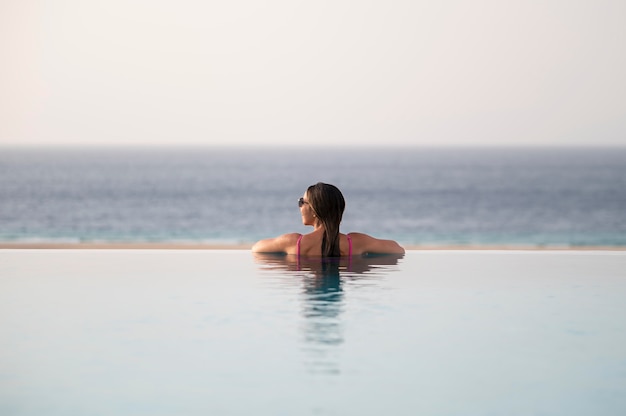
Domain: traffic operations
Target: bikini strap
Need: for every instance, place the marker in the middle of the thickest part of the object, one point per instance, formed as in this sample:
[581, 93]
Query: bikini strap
[298, 244]
[349, 252]
[298, 257]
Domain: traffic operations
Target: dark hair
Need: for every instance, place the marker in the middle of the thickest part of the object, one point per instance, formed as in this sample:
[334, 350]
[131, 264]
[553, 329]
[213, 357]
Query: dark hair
[328, 204]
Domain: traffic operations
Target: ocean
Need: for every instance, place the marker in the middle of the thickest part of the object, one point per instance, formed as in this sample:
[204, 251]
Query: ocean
[417, 196]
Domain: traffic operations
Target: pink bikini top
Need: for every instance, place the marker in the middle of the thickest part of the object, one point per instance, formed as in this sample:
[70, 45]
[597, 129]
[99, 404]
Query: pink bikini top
[347, 236]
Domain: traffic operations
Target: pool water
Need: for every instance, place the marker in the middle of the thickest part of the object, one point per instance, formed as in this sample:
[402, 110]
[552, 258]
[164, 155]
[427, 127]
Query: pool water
[175, 332]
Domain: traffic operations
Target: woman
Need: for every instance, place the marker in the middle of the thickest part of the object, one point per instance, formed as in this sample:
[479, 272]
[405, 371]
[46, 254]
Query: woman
[322, 207]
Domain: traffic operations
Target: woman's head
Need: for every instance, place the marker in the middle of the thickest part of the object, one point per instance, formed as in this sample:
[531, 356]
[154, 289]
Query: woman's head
[326, 201]
[327, 204]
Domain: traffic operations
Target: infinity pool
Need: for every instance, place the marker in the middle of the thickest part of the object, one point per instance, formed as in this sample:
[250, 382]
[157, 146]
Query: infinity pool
[158, 332]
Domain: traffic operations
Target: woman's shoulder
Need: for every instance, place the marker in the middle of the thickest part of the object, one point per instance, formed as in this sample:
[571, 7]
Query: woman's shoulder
[291, 236]
[282, 243]
[365, 243]
[358, 236]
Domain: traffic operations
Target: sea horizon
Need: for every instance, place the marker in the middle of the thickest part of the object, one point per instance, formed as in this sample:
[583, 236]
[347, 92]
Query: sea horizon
[435, 196]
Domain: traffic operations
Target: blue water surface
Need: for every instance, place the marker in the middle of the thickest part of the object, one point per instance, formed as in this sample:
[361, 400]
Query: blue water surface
[180, 332]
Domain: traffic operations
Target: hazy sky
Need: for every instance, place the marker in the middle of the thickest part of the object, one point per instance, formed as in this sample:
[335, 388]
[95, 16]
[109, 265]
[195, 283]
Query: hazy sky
[315, 72]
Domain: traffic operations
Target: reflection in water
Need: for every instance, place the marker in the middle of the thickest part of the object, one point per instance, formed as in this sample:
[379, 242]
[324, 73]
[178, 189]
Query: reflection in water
[323, 282]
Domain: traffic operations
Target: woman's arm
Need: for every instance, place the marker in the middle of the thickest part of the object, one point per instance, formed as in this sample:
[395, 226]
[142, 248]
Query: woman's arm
[368, 244]
[285, 243]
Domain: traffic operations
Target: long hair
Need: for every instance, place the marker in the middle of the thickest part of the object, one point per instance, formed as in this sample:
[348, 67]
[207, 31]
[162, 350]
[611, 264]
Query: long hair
[328, 204]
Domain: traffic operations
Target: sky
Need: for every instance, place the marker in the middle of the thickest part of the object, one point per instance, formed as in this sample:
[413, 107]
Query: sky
[288, 72]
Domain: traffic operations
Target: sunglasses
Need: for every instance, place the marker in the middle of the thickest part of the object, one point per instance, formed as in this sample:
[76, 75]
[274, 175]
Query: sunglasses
[301, 202]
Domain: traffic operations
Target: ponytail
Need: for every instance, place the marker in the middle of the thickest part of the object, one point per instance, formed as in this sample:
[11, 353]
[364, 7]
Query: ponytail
[330, 240]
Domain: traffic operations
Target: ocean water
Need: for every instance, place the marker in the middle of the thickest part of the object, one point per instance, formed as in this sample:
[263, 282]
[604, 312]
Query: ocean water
[536, 196]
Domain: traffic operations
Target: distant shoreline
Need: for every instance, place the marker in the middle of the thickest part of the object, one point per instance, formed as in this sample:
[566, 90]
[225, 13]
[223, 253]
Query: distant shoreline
[247, 246]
